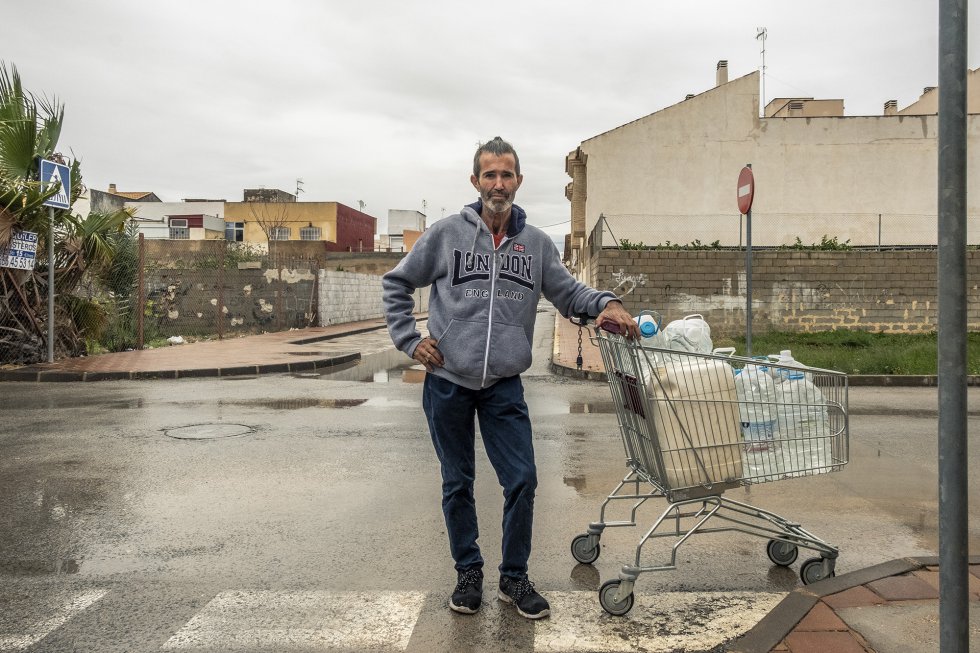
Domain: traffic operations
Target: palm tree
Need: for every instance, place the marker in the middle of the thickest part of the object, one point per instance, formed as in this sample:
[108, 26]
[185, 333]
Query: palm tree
[29, 131]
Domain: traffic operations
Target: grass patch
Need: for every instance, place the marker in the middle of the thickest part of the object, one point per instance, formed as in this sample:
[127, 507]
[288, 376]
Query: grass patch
[858, 352]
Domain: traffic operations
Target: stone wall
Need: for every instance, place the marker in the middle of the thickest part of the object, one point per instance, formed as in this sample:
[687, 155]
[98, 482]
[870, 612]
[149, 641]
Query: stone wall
[890, 292]
[208, 301]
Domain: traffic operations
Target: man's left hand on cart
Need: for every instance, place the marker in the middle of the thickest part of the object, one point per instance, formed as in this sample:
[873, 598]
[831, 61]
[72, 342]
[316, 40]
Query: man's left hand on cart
[615, 313]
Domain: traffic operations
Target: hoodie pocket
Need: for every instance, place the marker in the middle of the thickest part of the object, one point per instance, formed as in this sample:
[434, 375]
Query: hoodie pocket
[510, 351]
[462, 345]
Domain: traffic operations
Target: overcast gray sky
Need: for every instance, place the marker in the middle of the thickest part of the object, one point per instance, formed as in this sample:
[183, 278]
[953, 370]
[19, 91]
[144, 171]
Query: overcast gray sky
[384, 101]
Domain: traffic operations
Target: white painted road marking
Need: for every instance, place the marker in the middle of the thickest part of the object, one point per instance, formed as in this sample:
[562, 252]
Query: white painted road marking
[384, 621]
[40, 630]
[243, 620]
[658, 623]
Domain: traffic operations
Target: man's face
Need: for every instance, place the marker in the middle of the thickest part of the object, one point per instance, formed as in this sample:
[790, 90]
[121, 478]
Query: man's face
[498, 181]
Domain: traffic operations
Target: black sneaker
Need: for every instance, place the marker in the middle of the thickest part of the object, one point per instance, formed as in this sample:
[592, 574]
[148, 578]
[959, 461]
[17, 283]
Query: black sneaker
[522, 594]
[468, 593]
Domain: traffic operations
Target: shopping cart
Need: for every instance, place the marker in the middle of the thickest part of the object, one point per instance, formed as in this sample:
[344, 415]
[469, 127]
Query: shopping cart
[692, 429]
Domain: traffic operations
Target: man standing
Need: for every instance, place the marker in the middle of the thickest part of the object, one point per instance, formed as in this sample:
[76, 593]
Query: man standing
[487, 268]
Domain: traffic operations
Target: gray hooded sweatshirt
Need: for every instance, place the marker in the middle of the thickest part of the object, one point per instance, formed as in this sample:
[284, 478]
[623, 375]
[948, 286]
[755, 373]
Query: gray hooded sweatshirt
[483, 300]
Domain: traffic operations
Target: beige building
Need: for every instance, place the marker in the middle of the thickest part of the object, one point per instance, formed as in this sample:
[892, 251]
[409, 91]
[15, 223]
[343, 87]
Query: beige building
[340, 227]
[671, 175]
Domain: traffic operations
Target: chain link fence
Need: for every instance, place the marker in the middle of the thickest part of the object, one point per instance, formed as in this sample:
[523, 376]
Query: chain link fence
[156, 290]
[195, 289]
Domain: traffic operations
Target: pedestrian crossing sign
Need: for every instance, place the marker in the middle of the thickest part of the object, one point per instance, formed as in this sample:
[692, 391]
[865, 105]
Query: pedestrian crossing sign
[59, 174]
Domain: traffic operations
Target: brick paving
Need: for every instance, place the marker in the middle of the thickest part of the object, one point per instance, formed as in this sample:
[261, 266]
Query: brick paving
[266, 353]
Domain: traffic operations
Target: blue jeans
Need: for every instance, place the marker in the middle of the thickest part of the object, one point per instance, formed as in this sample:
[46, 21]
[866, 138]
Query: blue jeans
[506, 430]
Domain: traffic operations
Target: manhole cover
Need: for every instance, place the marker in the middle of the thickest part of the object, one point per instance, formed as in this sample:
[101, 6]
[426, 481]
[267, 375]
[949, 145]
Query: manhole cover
[208, 431]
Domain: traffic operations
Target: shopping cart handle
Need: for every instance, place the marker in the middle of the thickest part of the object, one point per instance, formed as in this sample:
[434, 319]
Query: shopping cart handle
[610, 327]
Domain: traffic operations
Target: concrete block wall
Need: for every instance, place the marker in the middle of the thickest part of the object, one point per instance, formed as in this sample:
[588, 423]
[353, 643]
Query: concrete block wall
[890, 292]
[348, 297]
[352, 297]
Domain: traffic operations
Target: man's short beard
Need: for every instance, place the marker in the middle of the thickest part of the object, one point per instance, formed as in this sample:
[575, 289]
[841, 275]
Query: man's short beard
[498, 205]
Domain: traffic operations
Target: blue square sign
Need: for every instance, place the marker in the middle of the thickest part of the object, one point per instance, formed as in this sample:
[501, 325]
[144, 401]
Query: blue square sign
[56, 173]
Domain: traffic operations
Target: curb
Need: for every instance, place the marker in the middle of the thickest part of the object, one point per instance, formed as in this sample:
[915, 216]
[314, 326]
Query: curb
[775, 626]
[59, 376]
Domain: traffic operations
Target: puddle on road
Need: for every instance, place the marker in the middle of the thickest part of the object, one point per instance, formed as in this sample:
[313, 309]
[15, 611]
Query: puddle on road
[384, 367]
[295, 403]
[298, 403]
[40, 402]
[38, 567]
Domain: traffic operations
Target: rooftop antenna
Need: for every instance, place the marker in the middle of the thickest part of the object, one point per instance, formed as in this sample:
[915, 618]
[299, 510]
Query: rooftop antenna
[299, 187]
[760, 35]
[424, 205]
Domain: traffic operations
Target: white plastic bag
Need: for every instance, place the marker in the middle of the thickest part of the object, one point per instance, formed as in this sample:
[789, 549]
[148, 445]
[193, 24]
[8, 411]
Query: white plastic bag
[691, 333]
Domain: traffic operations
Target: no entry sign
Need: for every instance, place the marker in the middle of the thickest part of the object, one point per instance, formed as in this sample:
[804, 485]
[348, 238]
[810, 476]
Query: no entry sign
[746, 190]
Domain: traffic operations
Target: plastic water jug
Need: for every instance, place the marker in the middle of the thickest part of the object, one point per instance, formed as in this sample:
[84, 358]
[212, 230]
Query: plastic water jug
[648, 325]
[756, 392]
[803, 425]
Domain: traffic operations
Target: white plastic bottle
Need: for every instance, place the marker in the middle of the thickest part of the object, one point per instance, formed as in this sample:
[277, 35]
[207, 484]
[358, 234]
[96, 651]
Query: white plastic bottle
[785, 357]
[651, 335]
[803, 424]
[756, 393]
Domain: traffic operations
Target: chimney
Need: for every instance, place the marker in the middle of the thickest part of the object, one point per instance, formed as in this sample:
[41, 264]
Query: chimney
[891, 108]
[927, 89]
[721, 73]
[112, 188]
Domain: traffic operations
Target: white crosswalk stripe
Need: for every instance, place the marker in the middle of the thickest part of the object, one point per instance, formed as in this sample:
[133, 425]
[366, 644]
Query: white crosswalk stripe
[242, 620]
[35, 632]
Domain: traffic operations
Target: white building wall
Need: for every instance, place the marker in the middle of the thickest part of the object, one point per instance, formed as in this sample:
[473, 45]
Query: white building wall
[401, 219]
[671, 176]
[152, 216]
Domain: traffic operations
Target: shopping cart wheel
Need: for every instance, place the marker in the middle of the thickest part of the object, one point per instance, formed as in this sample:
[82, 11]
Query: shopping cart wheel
[782, 553]
[607, 599]
[582, 552]
[812, 570]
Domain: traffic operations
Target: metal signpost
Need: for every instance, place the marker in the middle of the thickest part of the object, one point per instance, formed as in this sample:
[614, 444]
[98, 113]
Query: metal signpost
[954, 611]
[54, 174]
[746, 192]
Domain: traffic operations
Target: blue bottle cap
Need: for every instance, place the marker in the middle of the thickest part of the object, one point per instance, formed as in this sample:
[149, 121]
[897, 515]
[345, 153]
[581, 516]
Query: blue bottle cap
[648, 328]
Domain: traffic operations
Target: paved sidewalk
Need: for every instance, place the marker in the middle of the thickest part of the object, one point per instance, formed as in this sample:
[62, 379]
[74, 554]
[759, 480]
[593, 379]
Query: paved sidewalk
[268, 353]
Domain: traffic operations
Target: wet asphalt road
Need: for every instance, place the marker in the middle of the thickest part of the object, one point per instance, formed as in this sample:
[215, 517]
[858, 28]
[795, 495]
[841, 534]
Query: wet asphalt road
[302, 513]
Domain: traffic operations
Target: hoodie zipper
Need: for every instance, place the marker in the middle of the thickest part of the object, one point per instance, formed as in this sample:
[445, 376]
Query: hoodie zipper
[493, 283]
[493, 292]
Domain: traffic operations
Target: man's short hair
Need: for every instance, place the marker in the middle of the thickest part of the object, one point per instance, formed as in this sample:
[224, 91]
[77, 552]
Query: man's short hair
[497, 147]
